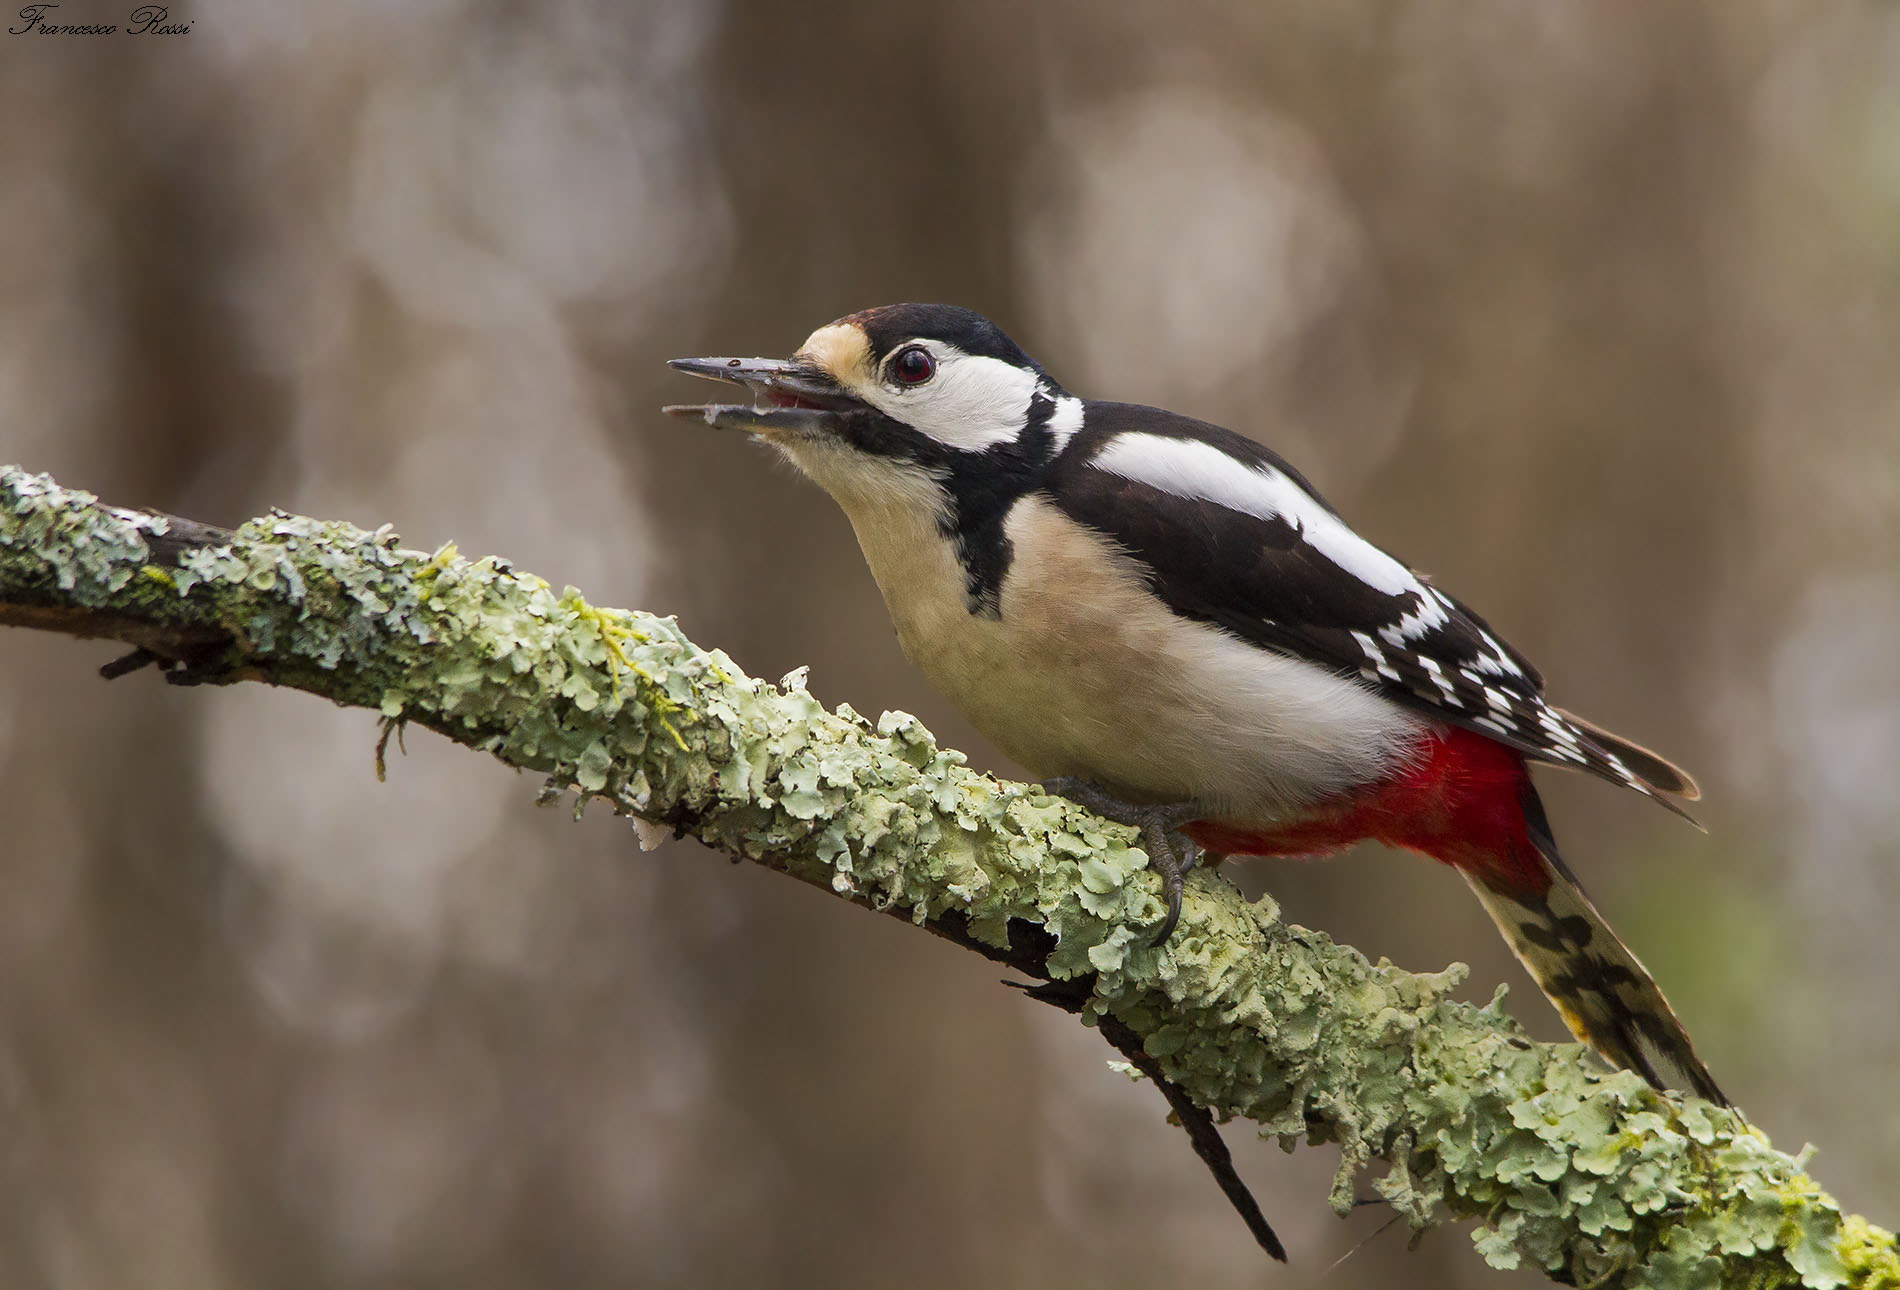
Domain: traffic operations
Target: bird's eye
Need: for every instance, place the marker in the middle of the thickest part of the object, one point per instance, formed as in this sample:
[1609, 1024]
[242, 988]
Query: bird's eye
[913, 366]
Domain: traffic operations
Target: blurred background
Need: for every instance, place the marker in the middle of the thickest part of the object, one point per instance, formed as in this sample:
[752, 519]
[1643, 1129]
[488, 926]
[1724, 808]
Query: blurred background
[1589, 310]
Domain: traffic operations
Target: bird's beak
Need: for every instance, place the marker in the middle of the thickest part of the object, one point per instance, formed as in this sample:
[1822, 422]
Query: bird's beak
[788, 397]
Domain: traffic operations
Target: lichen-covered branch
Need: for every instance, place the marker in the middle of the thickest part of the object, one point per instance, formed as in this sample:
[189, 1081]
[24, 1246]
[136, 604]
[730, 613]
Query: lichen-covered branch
[1585, 1173]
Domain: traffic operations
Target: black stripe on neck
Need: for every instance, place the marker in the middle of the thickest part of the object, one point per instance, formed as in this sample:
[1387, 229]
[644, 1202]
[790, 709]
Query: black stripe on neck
[981, 486]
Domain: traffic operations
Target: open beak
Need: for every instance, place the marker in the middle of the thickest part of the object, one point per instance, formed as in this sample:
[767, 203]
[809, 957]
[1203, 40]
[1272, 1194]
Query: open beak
[788, 397]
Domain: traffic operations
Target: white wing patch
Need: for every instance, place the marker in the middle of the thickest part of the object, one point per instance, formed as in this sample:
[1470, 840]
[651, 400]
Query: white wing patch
[1376, 658]
[1498, 661]
[1430, 614]
[1446, 690]
[1191, 469]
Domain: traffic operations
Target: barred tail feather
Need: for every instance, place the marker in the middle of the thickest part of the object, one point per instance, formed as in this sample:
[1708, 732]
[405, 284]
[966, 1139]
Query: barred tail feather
[1602, 991]
[1655, 770]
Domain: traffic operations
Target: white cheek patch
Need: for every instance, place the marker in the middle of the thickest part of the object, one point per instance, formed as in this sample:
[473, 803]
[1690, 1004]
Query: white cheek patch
[972, 403]
[1200, 471]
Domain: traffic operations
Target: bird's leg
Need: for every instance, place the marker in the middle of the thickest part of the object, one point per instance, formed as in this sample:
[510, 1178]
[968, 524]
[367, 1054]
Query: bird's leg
[1171, 853]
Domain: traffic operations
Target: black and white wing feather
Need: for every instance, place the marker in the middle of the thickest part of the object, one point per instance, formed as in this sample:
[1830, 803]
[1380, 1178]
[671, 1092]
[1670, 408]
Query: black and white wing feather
[1233, 536]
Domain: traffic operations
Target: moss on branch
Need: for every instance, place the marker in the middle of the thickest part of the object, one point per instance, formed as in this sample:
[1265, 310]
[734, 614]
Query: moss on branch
[1588, 1174]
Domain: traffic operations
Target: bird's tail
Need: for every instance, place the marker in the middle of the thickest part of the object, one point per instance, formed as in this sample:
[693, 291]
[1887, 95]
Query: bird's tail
[1468, 801]
[1602, 991]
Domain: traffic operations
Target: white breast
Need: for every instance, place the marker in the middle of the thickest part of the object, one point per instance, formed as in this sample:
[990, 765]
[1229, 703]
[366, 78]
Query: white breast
[1086, 673]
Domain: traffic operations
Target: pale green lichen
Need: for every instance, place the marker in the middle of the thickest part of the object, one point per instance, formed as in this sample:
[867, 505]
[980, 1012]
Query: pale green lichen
[1590, 1175]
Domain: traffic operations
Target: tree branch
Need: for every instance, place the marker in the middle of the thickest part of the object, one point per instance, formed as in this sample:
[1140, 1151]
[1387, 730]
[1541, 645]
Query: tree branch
[1590, 1175]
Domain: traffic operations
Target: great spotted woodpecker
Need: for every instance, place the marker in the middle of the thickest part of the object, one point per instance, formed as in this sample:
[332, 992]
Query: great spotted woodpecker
[1165, 617]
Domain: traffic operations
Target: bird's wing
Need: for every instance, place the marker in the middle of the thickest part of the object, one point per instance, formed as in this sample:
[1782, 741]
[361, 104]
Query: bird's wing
[1231, 535]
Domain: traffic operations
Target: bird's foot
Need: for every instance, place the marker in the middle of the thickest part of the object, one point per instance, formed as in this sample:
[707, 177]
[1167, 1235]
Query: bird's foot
[1171, 853]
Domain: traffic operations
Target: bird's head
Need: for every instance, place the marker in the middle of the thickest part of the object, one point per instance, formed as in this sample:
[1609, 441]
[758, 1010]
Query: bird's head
[889, 393]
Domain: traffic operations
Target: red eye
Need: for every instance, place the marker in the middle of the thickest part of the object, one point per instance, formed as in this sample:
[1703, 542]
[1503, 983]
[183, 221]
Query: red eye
[913, 366]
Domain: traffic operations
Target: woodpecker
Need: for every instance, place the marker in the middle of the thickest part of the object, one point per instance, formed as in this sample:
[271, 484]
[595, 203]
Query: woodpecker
[1168, 621]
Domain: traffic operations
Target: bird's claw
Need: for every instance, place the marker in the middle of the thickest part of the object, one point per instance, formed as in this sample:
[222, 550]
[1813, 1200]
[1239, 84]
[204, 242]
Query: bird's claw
[1171, 853]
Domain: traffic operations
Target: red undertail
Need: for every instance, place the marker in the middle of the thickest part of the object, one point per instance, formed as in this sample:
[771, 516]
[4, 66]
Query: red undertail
[1468, 801]
[1462, 801]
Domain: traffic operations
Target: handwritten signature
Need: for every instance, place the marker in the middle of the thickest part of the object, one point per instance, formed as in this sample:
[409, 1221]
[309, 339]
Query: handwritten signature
[146, 20]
